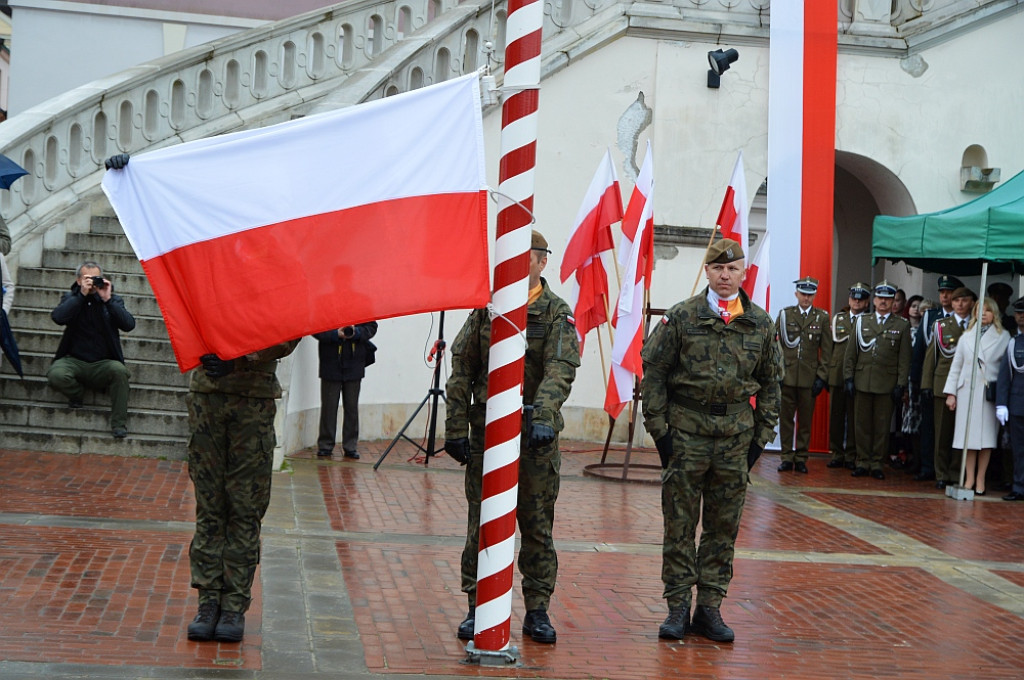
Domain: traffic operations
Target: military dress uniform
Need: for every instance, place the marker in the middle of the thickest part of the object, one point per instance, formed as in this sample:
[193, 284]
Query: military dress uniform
[552, 357]
[700, 374]
[842, 440]
[1010, 397]
[806, 342]
[877, 361]
[938, 359]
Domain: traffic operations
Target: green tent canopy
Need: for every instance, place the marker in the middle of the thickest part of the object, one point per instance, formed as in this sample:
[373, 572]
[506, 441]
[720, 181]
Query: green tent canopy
[958, 240]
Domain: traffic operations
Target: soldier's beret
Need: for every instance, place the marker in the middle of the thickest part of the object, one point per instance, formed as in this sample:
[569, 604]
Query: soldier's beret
[962, 292]
[807, 284]
[1018, 306]
[860, 291]
[949, 282]
[884, 289]
[724, 252]
[539, 242]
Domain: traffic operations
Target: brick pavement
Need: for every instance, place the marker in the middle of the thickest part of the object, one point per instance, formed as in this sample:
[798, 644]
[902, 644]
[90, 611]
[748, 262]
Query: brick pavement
[835, 577]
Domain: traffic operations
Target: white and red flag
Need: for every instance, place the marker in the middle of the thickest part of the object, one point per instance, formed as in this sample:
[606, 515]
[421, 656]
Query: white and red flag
[757, 284]
[266, 235]
[627, 364]
[733, 217]
[637, 201]
[592, 235]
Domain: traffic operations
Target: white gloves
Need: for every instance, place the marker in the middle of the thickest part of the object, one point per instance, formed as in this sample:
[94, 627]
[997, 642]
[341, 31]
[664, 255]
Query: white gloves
[1002, 414]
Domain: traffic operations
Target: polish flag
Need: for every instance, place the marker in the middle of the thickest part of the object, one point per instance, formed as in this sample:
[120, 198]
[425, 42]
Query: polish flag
[591, 235]
[757, 283]
[266, 235]
[637, 201]
[627, 364]
[733, 218]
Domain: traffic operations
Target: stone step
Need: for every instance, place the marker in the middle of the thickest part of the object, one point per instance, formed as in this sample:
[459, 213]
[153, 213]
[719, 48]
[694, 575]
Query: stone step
[92, 419]
[143, 373]
[46, 342]
[99, 244]
[135, 445]
[28, 297]
[61, 279]
[103, 224]
[30, 320]
[113, 265]
[34, 389]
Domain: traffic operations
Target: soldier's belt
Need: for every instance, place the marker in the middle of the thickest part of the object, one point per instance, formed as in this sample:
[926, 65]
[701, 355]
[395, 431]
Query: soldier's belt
[714, 409]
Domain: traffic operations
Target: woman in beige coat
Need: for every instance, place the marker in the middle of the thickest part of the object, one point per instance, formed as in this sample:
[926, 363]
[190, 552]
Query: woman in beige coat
[984, 429]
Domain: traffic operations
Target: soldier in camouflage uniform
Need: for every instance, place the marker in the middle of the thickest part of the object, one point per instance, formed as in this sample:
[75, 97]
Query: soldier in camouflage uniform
[230, 457]
[938, 359]
[877, 367]
[806, 345]
[842, 441]
[702, 364]
[552, 357]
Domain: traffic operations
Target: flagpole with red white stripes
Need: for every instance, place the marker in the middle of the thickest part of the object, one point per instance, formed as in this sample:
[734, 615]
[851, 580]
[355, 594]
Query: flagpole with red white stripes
[508, 328]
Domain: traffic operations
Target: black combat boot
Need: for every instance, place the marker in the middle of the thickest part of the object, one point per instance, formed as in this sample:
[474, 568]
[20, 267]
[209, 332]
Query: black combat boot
[674, 627]
[707, 621]
[201, 628]
[230, 627]
[467, 625]
[538, 626]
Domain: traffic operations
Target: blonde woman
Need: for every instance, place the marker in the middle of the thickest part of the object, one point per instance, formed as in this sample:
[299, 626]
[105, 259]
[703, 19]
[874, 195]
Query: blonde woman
[984, 427]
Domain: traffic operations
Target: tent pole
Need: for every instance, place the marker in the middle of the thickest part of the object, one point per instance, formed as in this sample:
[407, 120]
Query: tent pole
[959, 492]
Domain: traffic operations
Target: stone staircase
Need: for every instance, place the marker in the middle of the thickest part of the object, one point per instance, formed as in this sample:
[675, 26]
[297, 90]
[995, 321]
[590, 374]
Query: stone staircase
[35, 417]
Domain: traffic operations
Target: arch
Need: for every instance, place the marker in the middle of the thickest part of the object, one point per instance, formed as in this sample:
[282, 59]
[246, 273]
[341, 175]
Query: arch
[403, 22]
[177, 104]
[288, 65]
[345, 45]
[470, 51]
[124, 125]
[391, 91]
[99, 137]
[317, 59]
[259, 74]
[151, 113]
[232, 83]
[204, 99]
[51, 160]
[28, 182]
[374, 35]
[442, 65]
[500, 34]
[434, 9]
[415, 78]
[75, 144]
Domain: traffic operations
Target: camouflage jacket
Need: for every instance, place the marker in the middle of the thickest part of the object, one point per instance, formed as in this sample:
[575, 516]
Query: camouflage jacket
[806, 344]
[552, 357]
[255, 375]
[693, 356]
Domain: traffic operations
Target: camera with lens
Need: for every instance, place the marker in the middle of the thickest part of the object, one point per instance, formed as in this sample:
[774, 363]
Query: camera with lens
[98, 282]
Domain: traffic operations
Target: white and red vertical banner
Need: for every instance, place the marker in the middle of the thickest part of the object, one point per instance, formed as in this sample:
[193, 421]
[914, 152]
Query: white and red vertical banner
[592, 235]
[733, 218]
[627, 364]
[757, 284]
[266, 235]
[637, 201]
[803, 43]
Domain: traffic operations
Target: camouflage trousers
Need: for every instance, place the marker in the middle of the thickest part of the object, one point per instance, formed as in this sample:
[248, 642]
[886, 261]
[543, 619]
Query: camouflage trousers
[230, 459]
[708, 471]
[535, 514]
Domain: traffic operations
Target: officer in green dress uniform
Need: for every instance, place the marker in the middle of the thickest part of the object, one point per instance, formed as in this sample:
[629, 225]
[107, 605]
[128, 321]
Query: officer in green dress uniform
[842, 441]
[806, 341]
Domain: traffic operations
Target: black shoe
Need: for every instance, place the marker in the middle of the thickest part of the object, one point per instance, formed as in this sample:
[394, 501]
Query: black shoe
[354, 455]
[878, 474]
[924, 477]
[850, 465]
[1005, 486]
[801, 467]
[538, 626]
[75, 403]
[467, 625]
[979, 493]
[785, 466]
[119, 432]
[201, 628]
[707, 621]
[835, 464]
[1014, 497]
[230, 627]
[675, 625]
[940, 484]
[324, 453]
[859, 472]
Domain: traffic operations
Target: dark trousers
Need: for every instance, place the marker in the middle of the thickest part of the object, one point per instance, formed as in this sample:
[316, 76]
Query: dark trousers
[841, 439]
[1016, 425]
[331, 392]
[796, 402]
[926, 449]
[873, 414]
[71, 376]
[945, 419]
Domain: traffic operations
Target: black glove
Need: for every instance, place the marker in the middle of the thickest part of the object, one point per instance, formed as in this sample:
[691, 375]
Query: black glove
[664, 449]
[753, 453]
[216, 367]
[458, 449]
[818, 386]
[848, 387]
[541, 435]
[927, 394]
[897, 394]
[116, 162]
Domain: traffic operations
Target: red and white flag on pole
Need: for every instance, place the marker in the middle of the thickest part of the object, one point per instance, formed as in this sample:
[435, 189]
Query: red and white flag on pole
[637, 201]
[592, 235]
[732, 218]
[629, 335]
[757, 284]
[267, 235]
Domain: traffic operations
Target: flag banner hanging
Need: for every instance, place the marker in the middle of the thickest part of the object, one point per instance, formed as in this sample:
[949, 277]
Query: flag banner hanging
[756, 285]
[733, 217]
[637, 200]
[266, 235]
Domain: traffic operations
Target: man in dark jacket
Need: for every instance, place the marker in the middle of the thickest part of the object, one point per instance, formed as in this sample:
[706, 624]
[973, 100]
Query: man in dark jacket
[344, 355]
[89, 354]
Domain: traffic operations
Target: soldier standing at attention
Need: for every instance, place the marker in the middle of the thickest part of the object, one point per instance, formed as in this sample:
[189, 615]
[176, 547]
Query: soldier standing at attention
[806, 341]
[844, 449]
[709, 355]
[552, 357]
[938, 359]
[231, 412]
[876, 367]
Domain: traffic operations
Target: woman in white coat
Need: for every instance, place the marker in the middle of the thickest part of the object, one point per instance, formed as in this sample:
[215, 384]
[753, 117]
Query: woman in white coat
[984, 427]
